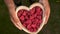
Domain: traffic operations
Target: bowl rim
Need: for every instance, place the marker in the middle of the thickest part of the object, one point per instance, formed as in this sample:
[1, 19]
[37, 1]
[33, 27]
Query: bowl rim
[28, 8]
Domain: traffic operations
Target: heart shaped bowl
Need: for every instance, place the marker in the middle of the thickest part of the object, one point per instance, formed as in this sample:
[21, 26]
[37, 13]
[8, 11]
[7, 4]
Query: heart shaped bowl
[28, 9]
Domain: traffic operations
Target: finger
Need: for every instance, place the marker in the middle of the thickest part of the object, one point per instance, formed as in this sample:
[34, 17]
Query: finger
[16, 24]
[47, 10]
[11, 6]
[12, 11]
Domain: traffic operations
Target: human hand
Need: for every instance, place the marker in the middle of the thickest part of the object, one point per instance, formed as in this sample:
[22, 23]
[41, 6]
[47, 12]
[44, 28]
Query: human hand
[11, 7]
[47, 9]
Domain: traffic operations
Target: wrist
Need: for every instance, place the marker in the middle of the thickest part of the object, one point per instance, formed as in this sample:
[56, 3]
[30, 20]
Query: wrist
[10, 4]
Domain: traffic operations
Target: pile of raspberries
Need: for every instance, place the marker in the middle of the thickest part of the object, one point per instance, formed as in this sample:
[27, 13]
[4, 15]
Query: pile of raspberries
[31, 19]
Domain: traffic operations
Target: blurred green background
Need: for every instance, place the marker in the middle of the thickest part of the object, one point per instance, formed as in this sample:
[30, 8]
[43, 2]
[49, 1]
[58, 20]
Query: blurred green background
[52, 27]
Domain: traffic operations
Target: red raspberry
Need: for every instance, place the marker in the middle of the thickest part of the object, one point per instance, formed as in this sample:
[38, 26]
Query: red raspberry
[38, 9]
[31, 17]
[22, 18]
[28, 22]
[35, 30]
[24, 25]
[33, 25]
[19, 13]
[32, 10]
[24, 13]
[29, 27]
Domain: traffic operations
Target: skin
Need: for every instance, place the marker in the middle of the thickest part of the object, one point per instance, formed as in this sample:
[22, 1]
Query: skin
[11, 7]
[47, 9]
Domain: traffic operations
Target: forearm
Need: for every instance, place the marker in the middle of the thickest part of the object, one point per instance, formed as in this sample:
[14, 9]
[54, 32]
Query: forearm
[11, 6]
[9, 3]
